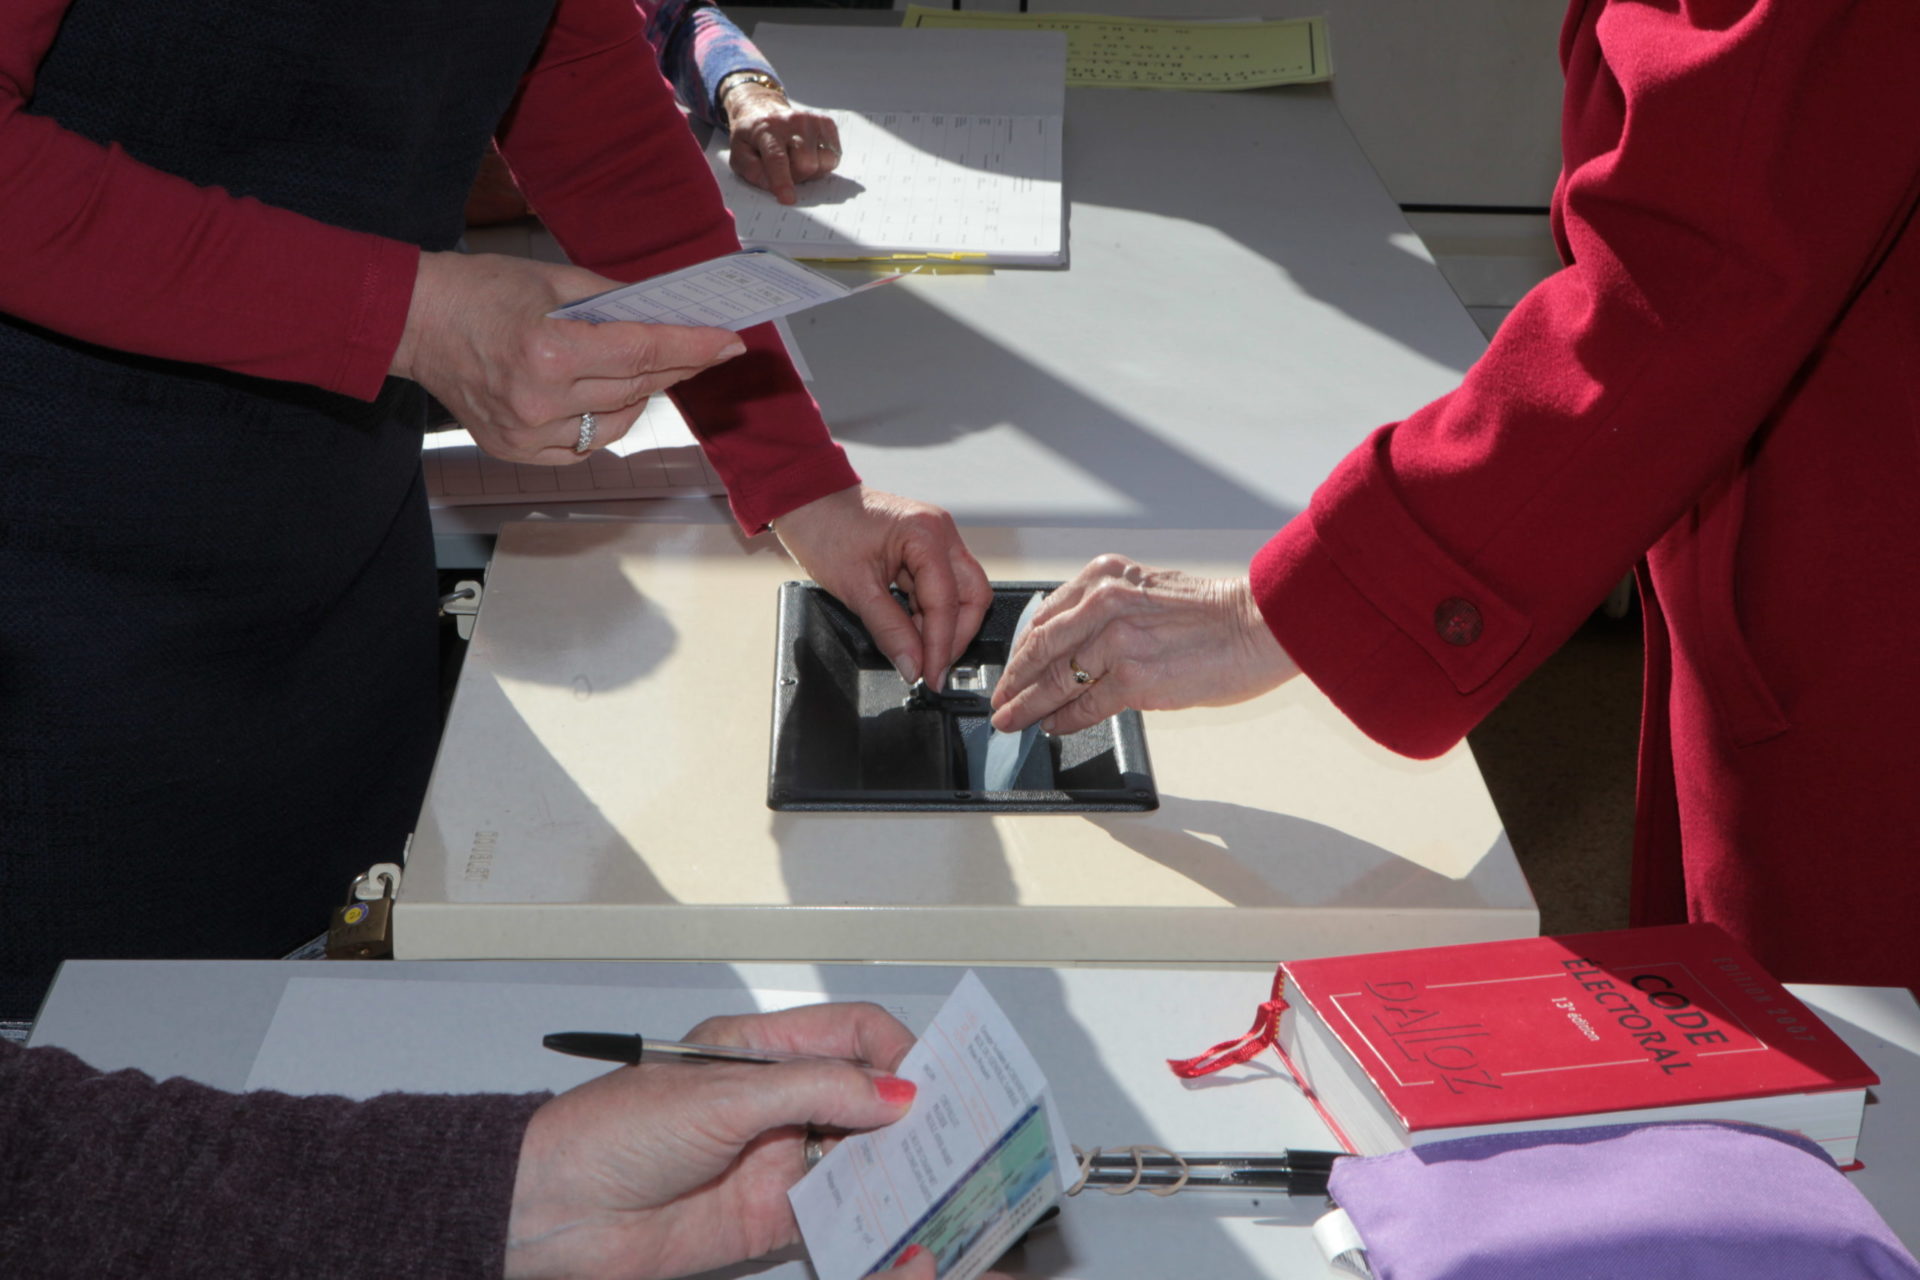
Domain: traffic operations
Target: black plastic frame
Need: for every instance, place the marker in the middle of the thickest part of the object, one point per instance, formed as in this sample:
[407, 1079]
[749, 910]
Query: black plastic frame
[847, 737]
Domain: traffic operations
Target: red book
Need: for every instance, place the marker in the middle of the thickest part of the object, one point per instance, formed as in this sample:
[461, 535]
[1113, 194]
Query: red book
[1398, 1048]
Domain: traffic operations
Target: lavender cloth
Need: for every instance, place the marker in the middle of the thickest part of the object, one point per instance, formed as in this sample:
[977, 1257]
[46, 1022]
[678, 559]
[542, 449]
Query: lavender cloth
[115, 1175]
[1678, 1201]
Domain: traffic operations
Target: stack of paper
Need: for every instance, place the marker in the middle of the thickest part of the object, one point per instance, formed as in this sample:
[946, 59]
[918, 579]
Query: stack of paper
[657, 458]
[951, 145]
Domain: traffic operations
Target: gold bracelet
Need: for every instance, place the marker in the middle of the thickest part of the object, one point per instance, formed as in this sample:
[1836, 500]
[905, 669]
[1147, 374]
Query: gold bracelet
[734, 79]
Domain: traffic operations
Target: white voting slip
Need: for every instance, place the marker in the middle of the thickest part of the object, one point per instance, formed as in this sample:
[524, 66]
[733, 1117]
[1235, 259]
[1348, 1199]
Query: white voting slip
[736, 291]
[975, 1162]
[951, 145]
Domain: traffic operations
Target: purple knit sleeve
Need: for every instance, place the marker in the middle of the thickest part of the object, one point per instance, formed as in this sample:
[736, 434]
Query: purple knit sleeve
[108, 1175]
[698, 46]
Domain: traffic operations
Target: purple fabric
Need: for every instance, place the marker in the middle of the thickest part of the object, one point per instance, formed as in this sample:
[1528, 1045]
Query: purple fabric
[1681, 1201]
[698, 46]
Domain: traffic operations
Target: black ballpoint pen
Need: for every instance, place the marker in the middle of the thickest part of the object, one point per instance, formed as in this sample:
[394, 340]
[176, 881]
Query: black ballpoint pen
[613, 1046]
[616, 1046]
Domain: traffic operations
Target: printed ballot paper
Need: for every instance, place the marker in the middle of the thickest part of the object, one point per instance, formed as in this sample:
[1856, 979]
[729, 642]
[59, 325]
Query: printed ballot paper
[978, 1159]
[735, 292]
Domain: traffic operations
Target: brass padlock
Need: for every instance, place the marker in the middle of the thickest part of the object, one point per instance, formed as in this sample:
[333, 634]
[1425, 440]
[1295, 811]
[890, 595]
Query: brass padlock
[363, 929]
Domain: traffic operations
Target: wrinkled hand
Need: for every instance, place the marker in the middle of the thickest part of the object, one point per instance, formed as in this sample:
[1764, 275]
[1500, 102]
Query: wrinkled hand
[774, 144]
[1152, 638]
[858, 542]
[663, 1170]
[478, 337]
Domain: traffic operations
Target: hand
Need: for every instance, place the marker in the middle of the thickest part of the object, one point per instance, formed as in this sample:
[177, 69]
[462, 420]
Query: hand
[918, 1264]
[479, 338]
[663, 1170]
[915, 1264]
[1151, 638]
[775, 144]
[859, 542]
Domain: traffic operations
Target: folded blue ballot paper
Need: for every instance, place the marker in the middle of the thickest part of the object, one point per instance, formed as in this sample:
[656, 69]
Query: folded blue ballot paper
[1673, 1201]
[1007, 753]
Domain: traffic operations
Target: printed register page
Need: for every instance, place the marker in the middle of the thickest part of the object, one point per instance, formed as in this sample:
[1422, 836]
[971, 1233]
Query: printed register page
[975, 1163]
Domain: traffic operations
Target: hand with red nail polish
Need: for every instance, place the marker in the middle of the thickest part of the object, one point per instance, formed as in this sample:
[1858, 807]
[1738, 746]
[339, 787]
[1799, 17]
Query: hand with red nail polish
[663, 1170]
[915, 1263]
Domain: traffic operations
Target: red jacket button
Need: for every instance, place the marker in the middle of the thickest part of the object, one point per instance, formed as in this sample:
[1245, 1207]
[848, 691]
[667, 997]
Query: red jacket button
[1457, 621]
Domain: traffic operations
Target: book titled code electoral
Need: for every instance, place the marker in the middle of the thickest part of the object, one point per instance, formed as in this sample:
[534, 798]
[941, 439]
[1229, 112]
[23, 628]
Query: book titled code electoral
[1398, 1048]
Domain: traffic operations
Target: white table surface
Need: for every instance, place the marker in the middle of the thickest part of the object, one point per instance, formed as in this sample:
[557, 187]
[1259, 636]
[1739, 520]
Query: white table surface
[601, 793]
[1244, 303]
[1100, 1034]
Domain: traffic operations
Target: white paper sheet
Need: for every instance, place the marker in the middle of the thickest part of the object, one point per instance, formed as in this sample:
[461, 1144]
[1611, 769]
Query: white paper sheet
[657, 458]
[1015, 73]
[951, 144]
[918, 183]
[975, 1162]
[735, 292]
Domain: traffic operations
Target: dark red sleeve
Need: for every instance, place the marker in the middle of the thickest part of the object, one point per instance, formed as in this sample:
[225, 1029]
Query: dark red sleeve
[1733, 169]
[602, 152]
[116, 1175]
[102, 248]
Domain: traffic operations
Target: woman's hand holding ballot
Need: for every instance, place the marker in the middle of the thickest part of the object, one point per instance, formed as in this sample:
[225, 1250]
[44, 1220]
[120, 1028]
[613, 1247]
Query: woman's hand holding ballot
[664, 1169]
[859, 542]
[478, 337]
[1123, 635]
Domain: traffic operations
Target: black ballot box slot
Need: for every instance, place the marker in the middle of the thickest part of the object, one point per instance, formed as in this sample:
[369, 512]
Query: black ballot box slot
[849, 735]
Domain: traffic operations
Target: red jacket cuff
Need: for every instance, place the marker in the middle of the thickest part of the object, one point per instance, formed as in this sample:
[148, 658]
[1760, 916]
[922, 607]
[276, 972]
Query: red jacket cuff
[1399, 635]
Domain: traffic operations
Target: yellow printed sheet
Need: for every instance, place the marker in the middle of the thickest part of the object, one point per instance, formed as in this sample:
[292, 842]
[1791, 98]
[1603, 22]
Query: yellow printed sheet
[1151, 53]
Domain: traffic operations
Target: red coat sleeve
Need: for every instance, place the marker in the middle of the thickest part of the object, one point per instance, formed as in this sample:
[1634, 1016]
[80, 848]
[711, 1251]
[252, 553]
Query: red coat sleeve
[1732, 169]
[97, 246]
[602, 152]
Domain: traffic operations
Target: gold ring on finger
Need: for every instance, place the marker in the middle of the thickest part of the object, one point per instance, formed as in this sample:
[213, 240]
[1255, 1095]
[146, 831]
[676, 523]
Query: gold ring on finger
[1081, 676]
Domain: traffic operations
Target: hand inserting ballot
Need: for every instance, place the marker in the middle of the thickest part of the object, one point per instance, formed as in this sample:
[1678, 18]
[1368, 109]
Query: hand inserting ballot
[1121, 634]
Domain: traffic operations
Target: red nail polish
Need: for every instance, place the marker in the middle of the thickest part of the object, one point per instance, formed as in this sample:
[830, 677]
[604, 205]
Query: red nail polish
[895, 1090]
[907, 1255]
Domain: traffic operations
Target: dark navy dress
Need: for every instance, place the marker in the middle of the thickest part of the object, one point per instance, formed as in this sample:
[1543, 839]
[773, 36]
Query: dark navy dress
[217, 645]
